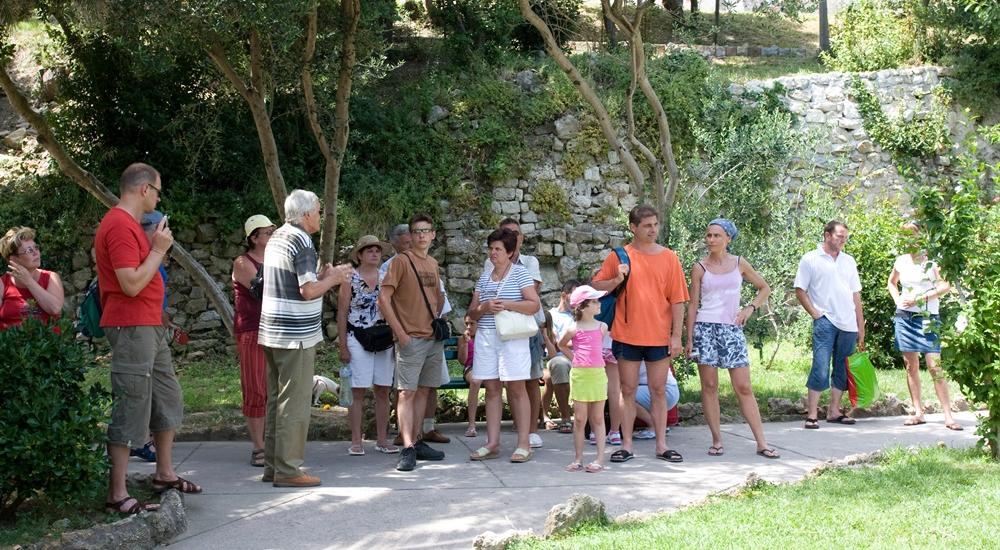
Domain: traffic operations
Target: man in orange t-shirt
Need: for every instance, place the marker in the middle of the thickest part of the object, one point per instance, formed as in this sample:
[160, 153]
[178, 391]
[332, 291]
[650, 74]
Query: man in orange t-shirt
[649, 318]
[146, 393]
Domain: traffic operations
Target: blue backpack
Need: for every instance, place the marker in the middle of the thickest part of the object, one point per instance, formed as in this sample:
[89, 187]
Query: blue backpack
[608, 301]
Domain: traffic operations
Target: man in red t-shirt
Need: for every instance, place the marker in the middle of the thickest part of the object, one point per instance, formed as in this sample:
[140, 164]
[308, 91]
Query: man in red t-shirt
[649, 317]
[147, 396]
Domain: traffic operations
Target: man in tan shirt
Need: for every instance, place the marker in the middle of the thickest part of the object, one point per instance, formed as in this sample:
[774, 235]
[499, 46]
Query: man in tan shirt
[410, 298]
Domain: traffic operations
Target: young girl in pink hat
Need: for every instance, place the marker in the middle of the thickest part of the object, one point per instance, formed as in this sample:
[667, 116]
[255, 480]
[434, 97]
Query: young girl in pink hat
[588, 381]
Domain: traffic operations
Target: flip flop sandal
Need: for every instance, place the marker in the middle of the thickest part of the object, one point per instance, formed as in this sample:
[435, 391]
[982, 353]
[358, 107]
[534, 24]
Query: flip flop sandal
[356, 450]
[812, 424]
[594, 468]
[621, 455]
[716, 451]
[670, 455]
[954, 426]
[137, 507]
[914, 422]
[551, 425]
[768, 453]
[574, 467]
[470, 432]
[566, 428]
[257, 458]
[842, 419]
[387, 449]
[483, 453]
[180, 484]
[520, 455]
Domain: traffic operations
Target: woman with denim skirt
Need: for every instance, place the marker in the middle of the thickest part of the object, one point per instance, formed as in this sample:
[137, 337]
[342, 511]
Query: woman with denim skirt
[916, 323]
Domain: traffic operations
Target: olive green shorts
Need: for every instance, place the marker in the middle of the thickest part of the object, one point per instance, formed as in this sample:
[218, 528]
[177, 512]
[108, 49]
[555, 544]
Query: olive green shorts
[144, 386]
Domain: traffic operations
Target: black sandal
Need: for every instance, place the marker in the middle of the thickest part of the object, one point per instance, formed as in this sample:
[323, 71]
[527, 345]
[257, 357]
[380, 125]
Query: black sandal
[812, 424]
[769, 453]
[842, 419]
[670, 455]
[621, 455]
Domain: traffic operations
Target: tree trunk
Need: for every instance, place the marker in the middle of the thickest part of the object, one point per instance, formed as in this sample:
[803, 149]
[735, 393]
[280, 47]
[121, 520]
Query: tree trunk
[824, 27]
[334, 158]
[611, 31]
[665, 196]
[588, 94]
[92, 185]
[254, 96]
[718, 8]
[694, 8]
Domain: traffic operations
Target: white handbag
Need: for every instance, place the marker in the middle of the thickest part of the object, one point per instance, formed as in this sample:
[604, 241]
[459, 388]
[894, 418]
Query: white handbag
[512, 325]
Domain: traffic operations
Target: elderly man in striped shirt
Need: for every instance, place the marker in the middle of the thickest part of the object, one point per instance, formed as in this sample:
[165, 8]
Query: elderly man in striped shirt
[290, 327]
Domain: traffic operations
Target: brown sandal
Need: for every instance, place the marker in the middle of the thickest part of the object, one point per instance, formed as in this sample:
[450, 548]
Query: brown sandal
[180, 484]
[137, 507]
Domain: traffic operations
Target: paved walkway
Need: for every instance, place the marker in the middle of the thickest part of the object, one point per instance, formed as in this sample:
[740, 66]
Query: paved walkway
[365, 503]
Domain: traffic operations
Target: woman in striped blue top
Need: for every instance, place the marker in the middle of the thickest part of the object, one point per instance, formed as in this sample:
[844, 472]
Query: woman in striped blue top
[507, 286]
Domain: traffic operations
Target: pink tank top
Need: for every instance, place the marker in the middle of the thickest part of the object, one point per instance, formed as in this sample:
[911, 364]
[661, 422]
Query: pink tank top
[587, 348]
[720, 296]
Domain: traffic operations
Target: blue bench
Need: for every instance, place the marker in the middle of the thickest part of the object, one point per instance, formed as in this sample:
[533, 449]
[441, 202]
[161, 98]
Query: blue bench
[451, 354]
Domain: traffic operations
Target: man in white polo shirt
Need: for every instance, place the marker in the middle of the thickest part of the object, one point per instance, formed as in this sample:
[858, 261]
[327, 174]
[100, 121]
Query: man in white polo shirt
[828, 287]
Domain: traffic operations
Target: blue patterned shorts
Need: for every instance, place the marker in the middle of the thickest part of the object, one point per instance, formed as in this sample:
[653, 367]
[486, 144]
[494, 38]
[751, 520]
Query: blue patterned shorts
[719, 345]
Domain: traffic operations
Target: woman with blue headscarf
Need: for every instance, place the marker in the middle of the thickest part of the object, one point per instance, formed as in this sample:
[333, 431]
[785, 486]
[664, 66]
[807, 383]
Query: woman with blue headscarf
[715, 337]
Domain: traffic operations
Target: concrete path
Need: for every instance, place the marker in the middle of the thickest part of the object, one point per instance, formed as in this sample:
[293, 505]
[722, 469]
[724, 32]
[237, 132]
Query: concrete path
[365, 503]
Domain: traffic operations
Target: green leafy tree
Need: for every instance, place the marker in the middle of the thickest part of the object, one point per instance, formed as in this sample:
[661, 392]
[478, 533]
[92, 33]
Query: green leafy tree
[961, 218]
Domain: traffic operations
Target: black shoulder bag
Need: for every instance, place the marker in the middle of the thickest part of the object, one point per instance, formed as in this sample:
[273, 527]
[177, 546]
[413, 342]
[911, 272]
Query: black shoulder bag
[439, 326]
[375, 338]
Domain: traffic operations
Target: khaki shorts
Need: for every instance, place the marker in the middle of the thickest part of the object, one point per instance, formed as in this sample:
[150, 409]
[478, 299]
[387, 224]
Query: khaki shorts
[559, 368]
[419, 363]
[146, 393]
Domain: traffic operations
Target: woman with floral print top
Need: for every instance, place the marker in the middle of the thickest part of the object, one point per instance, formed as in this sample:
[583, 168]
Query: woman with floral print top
[369, 369]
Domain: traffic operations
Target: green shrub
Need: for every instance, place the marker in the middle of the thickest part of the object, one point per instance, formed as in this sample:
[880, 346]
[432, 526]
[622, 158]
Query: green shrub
[871, 35]
[550, 202]
[875, 242]
[920, 137]
[50, 433]
[961, 219]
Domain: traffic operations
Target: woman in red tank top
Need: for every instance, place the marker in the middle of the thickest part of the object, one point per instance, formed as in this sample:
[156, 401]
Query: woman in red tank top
[26, 290]
[253, 379]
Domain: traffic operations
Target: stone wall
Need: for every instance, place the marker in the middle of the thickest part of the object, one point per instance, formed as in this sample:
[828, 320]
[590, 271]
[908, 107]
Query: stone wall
[844, 158]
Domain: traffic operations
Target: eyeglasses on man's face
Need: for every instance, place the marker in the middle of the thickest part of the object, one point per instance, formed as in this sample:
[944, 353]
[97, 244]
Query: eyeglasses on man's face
[422, 230]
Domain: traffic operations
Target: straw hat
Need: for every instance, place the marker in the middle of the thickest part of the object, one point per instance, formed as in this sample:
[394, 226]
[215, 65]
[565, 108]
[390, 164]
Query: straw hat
[364, 242]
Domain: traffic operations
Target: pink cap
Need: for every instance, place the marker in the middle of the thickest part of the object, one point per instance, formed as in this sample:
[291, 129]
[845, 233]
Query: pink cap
[584, 292]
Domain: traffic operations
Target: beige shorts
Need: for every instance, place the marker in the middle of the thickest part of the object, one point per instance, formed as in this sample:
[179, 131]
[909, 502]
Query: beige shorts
[419, 363]
[559, 369]
[146, 393]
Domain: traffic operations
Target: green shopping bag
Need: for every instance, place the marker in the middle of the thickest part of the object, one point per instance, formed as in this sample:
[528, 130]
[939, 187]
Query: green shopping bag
[862, 384]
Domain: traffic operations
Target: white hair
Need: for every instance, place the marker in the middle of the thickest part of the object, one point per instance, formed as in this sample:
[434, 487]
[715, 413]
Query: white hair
[298, 203]
[397, 232]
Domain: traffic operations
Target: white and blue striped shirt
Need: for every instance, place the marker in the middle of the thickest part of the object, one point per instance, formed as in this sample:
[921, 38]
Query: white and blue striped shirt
[287, 321]
[507, 289]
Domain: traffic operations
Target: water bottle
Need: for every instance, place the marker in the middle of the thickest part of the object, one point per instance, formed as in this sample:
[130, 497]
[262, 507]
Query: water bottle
[346, 395]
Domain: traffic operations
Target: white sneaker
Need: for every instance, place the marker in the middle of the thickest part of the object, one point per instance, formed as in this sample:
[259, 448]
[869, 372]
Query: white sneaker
[534, 440]
[644, 434]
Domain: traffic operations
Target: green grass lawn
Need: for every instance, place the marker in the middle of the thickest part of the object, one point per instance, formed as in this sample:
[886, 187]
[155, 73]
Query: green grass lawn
[935, 498]
[212, 386]
[735, 29]
[741, 69]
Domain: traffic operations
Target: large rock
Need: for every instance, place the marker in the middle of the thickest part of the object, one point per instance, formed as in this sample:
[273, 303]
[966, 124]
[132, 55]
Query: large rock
[437, 114]
[578, 509]
[14, 139]
[145, 530]
[567, 127]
